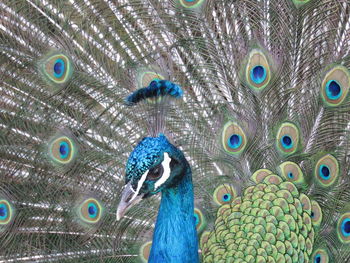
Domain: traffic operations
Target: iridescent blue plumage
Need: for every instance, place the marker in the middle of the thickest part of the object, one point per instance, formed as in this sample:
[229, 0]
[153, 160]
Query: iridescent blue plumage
[287, 141]
[235, 141]
[333, 89]
[175, 224]
[64, 149]
[226, 197]
[258, 74]
[345, 226]
[58, 68]
[324, 172]
[155, 165]
[92, 209]
[155, 89]
[3, 211]
[146, 154]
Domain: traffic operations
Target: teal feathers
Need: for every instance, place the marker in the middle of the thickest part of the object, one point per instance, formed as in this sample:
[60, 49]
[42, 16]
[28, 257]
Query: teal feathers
[263, 120]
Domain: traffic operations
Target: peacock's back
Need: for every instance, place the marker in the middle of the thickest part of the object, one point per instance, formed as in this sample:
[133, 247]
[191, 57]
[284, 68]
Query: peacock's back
[264, 123]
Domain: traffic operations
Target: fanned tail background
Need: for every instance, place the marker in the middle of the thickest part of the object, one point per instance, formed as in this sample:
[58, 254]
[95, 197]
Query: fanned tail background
[259, 70]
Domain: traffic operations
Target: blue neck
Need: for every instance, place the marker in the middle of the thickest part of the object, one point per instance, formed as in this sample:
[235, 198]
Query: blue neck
[175, 235]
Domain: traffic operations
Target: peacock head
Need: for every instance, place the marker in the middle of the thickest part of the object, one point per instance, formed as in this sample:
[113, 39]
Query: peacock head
[155, 164]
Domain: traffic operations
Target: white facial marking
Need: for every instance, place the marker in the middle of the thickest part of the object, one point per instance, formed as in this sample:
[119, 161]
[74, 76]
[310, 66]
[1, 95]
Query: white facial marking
[160, 181]
[139, 184]
[166, 173]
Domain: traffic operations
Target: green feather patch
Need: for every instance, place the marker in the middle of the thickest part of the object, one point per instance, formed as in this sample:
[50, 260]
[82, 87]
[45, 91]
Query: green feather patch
[204, 238]
[299, 3]
[269, 225]
[316, 214]
[259, 175]
[306, 203]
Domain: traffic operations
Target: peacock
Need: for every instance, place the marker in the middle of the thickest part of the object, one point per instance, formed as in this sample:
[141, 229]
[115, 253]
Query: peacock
[175, 131]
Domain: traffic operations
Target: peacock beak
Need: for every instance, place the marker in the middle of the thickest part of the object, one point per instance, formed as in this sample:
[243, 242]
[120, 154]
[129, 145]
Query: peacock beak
[129, 198]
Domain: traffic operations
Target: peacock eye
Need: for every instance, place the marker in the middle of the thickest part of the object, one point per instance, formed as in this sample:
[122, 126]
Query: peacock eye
[155, 173]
